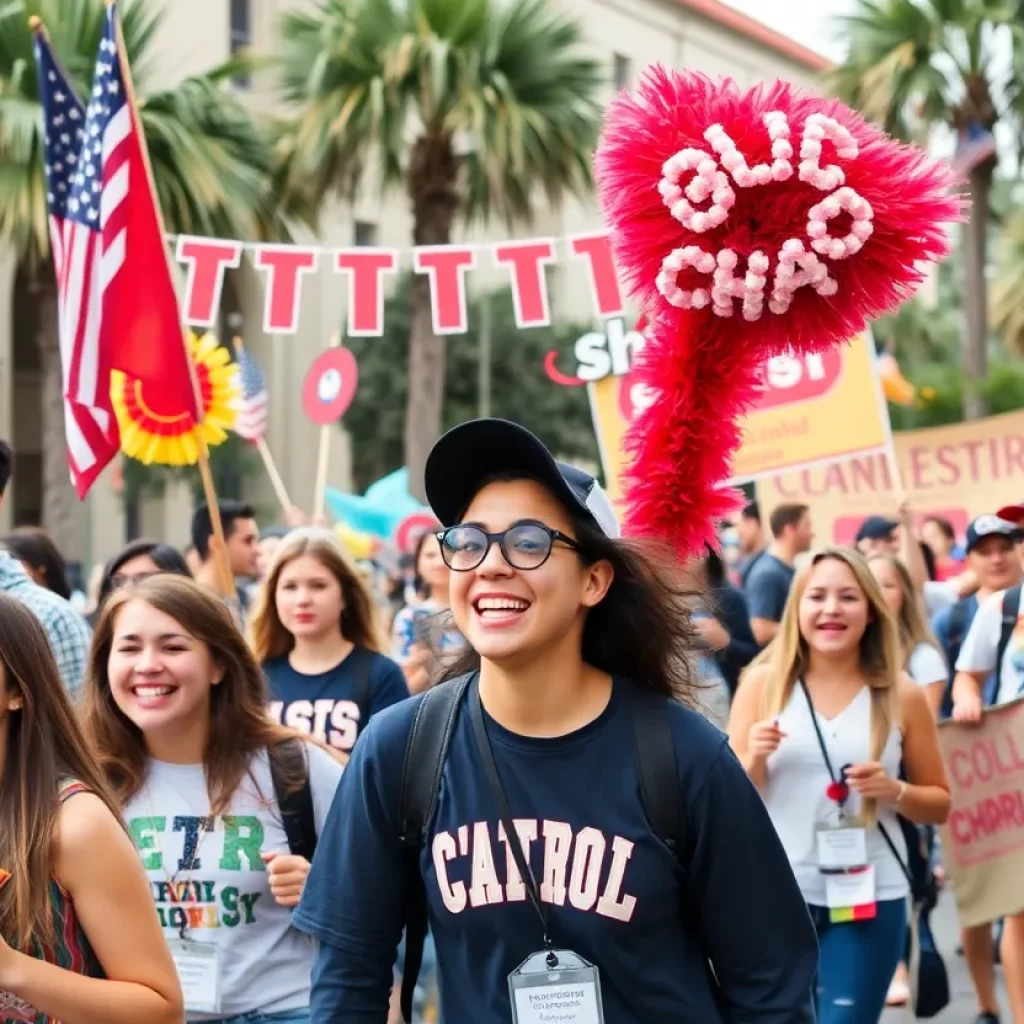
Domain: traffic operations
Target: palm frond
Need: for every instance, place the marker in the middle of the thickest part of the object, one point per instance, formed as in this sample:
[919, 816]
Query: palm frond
[369, 78]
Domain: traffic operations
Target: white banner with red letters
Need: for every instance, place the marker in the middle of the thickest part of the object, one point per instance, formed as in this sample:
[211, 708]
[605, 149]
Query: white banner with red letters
[286, 268]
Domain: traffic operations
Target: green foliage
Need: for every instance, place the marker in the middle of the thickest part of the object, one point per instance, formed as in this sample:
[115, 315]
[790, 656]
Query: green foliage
[1004, 390]
[521, 389]
[914, 64]
[212, 165]
[372, 79]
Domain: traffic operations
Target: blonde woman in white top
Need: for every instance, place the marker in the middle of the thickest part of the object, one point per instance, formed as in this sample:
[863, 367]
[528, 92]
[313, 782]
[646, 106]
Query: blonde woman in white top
[823, 726]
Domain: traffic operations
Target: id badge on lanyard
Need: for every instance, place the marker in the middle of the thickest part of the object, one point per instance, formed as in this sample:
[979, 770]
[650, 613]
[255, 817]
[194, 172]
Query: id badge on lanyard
[842, 848]
[569, 992]
[553, 984]
[199, 971]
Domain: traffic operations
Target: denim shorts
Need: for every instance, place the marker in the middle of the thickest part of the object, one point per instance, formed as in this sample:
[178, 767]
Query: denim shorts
[297, 1016]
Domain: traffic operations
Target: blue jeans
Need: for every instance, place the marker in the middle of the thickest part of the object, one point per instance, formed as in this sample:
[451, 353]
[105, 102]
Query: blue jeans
[259, 1017]
[857, 962]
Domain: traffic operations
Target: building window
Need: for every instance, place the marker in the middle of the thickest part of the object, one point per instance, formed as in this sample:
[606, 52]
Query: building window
[365, 233]
[241, 35]
[621, 70]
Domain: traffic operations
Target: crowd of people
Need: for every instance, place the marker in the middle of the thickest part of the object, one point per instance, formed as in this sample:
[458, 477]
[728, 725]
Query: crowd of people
[541, 772]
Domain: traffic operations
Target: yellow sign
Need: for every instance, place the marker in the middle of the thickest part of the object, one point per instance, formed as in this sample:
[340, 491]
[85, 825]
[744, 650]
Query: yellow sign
[959, 472]
[814, 410]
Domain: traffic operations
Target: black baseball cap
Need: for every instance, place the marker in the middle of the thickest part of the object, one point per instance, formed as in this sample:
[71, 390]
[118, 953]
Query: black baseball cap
[876, 528]
[991, 526]
[466, 456]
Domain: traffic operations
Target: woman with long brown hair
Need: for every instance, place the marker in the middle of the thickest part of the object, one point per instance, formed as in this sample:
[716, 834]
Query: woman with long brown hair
[223, 805]
[315, 632]
[78, 940]
[822, 726]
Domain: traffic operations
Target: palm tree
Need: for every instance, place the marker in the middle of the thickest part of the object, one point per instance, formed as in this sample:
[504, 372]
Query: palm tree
[916, 65]
[474, 107]
[211, 165]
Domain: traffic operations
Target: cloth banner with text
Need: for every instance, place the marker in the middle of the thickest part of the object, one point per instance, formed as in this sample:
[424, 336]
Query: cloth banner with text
[795, 423]
[958, 471]
[983, 841]
[366, 270]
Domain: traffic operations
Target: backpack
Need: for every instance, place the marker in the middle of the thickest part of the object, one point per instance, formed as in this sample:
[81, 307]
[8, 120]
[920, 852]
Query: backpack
[426, 752]
[959, 623]
[296, 807]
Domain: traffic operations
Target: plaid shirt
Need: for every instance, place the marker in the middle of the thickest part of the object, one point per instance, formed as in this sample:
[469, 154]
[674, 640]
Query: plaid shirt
[67, 631]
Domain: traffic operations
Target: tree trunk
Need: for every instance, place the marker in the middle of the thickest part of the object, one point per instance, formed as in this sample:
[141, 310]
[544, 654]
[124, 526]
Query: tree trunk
[432, 184]
[63, 515]
[975, 350]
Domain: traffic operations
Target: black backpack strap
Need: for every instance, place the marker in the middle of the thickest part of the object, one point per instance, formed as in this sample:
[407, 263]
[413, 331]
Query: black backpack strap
[295, 805]
[656, 765]
[425, 755]
[1011, 608]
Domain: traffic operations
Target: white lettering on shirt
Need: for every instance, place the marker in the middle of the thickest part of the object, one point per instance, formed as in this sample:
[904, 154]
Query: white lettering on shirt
[587, 858]
[612, 902]
[453, 894]
[572, 865]
[485, 887]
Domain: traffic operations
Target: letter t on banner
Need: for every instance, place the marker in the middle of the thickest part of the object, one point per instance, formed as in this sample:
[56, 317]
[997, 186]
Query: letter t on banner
[529, 282]
[366, 267]
[447, 266]
[207, 259]
[286, 266]
[604, 278]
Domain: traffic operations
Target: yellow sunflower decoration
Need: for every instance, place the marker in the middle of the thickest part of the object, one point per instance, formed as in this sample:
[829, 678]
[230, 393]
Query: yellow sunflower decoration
[152, 432]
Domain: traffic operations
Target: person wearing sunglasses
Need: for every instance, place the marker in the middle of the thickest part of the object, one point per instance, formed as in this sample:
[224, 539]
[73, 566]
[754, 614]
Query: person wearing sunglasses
[549, 891]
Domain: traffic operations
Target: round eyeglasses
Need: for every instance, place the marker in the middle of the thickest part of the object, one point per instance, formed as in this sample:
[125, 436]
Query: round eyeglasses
[524, 545]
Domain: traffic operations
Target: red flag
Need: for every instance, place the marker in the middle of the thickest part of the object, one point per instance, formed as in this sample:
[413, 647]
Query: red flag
[118, 308]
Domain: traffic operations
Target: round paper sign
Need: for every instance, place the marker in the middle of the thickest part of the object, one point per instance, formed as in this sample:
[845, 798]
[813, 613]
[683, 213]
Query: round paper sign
[411, 528]
[330, 386]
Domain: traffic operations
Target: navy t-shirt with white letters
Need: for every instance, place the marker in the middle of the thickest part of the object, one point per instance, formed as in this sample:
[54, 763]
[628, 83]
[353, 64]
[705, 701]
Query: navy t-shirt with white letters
[615, 893]
[324, 705]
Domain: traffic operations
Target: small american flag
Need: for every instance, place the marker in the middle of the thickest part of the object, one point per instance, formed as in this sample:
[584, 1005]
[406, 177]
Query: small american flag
[81, 150]
[251, 422]
[974, 146]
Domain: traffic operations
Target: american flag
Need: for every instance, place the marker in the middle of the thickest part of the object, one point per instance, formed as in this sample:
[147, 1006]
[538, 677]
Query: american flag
[81, 157]
[117, 305]
[251, 422]
[974, 146]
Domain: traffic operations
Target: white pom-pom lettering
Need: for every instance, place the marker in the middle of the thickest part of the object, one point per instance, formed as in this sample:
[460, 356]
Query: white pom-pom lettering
[780, 169]
[861, 228]
[818, 128]
[797, 265]
[709, 180]
[673, 264]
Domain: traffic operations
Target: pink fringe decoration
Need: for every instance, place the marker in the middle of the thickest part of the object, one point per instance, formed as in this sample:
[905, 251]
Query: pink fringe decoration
[748, 225]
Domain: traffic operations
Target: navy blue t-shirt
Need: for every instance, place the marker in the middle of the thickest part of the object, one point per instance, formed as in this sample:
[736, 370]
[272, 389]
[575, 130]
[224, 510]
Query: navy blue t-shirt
[615, 892]
[324, 705]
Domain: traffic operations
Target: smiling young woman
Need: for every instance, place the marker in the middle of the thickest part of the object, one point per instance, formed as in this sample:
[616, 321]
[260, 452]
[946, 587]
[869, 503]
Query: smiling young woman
[539, 848]
[823, 725]
[315, 634]
[176, 710]
[78, 939]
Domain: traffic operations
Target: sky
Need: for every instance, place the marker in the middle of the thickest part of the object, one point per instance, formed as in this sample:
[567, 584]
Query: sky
[807, 21]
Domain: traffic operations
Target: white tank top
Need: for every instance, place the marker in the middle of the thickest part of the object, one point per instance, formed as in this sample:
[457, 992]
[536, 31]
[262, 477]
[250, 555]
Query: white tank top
[796, 783]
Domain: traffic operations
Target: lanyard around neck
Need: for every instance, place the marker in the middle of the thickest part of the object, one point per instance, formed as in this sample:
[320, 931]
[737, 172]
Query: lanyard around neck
[483, 745]
[818, 733]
